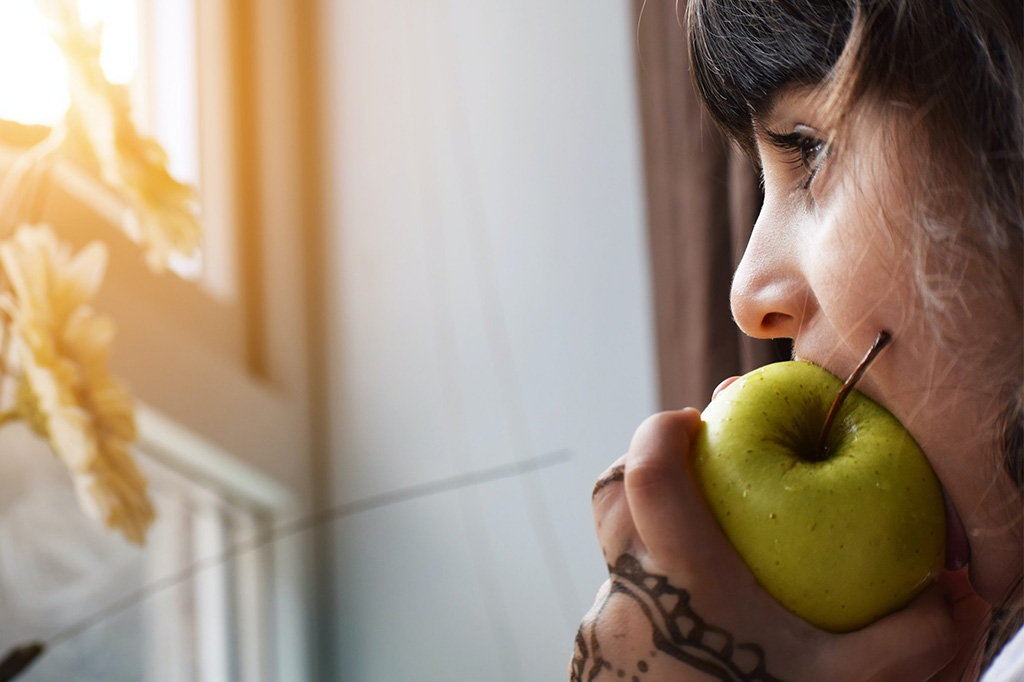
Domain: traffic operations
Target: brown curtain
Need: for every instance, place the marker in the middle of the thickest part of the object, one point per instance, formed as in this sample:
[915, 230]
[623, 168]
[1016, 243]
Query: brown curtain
[702, 198]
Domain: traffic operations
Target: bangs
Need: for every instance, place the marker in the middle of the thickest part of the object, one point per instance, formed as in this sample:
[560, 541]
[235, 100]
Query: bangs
[742, 52]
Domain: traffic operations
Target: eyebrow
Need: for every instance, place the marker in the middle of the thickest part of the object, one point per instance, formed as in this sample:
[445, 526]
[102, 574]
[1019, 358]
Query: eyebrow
[761, 126]
[770, 111]
[767, 113]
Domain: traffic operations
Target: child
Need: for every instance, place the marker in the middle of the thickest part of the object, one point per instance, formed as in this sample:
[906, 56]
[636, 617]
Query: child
[889, 137]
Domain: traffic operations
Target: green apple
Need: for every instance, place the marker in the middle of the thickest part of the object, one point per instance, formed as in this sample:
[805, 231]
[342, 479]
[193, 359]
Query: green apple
[840, 536]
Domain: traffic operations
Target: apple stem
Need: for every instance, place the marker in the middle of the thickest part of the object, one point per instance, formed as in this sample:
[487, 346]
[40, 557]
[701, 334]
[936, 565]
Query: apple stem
[881, 341]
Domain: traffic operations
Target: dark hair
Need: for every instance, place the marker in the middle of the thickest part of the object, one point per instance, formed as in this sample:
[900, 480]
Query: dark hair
[958, 63]
[743, 52]
[959, 66]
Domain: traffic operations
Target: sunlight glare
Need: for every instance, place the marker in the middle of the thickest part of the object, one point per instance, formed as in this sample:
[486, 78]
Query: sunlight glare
[33, 88]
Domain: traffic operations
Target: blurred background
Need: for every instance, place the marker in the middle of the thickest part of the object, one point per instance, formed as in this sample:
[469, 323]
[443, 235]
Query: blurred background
[454, 253]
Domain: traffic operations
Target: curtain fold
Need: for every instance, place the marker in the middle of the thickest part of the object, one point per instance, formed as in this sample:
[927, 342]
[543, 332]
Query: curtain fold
[703, 196]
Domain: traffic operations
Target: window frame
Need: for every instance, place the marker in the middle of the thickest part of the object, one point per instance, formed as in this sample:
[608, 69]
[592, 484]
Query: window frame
[227, 386]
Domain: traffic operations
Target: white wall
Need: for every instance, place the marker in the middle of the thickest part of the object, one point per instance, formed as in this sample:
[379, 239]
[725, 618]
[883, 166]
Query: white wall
[489, 304]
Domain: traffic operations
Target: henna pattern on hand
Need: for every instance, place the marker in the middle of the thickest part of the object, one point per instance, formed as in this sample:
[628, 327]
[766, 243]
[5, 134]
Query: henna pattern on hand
[616, 474]
[677, 631]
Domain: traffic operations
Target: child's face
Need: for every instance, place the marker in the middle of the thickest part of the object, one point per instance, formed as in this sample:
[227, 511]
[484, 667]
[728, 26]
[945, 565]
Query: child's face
[830, 264]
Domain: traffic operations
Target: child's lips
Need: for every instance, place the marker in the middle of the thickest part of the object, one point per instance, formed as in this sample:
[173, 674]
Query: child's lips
[722, 386]
[958, 548]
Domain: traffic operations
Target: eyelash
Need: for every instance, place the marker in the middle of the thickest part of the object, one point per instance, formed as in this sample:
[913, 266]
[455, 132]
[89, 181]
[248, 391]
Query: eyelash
[806, 150]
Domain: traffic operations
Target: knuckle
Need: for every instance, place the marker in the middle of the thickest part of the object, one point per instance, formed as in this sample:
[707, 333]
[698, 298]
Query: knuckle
[645, 472]
[656, 443]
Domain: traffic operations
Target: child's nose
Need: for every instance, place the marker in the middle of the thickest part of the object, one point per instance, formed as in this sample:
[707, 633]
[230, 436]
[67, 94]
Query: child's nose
[770, 295]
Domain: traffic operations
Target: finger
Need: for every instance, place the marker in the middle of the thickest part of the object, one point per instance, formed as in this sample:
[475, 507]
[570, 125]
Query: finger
[972, 615]
[612, 522]
[612, 475]
[669, 511]
[911, 644]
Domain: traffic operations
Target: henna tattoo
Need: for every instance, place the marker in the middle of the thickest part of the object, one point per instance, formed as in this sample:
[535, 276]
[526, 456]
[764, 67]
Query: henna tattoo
[677, 631]
[616, 474]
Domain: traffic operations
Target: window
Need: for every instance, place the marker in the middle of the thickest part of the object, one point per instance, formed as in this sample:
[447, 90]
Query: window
[219, 359]
[193, 606]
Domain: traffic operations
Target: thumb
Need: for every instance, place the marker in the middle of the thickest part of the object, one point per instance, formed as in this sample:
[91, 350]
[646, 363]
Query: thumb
[913, 643]
[669, 511]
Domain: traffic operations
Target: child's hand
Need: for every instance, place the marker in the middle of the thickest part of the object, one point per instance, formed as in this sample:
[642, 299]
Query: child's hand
[971, 614]
[681, 605]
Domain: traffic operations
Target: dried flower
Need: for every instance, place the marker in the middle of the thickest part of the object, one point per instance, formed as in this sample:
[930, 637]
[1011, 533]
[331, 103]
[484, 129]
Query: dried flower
[163, 216]
[66, 392]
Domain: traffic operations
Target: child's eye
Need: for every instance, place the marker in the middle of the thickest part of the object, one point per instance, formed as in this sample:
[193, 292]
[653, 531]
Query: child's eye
[812, 153]
[804, 148]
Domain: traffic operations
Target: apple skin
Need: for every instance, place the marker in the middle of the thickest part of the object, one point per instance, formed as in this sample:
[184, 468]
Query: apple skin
[839, 542]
